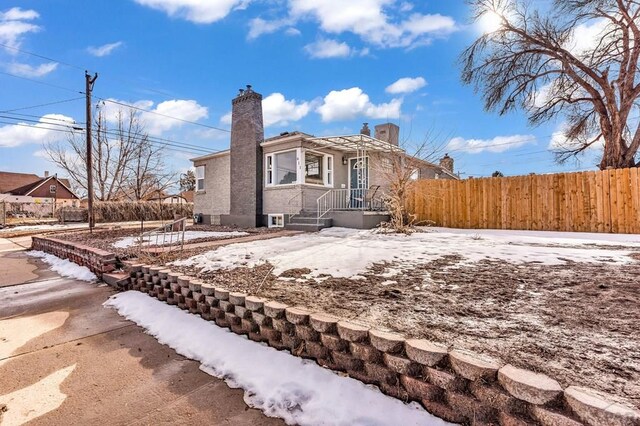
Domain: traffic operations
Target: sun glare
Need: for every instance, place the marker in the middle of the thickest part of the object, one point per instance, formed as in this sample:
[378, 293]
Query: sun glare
[490, 22]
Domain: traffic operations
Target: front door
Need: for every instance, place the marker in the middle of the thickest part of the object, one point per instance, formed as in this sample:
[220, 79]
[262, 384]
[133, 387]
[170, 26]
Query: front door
[358, 181]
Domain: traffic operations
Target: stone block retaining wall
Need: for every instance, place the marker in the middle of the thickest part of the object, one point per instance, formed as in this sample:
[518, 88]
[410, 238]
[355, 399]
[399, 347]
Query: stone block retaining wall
[458, 386]
[98, 261]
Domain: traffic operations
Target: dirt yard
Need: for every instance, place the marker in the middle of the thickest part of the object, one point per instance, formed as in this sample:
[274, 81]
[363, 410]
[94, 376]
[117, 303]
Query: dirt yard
[122, 242]
[568, 308]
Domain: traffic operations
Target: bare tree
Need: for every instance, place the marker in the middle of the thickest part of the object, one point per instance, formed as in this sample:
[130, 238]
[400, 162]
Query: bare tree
[400, 169]
[126, 164]
[534, 60]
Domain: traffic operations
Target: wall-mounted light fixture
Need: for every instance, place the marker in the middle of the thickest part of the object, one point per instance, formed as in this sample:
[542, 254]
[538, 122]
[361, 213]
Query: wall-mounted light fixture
[344, 160]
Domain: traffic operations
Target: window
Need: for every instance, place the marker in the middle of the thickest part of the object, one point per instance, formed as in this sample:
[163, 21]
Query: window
[200, 178]
[415, 174]
[269, 169]
[276, 221]
[282, 168]
[387, 165]
[314, 168]
[288, 167]
[52, 189]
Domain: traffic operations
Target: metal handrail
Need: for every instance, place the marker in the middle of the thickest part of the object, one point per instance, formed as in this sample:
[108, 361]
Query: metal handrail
[289, 209]
[345, 199]
[177, 226]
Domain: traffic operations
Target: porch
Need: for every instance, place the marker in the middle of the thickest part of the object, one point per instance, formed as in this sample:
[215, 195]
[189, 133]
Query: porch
[348, 208]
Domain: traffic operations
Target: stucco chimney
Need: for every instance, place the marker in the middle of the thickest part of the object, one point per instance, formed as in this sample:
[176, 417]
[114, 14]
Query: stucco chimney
[365, 129]
[46, 173]
[247, 133]
[446, 163]
[388, 132]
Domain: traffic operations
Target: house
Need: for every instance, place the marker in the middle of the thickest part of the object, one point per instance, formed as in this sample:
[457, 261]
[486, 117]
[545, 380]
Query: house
[30, 188]
[297, 180]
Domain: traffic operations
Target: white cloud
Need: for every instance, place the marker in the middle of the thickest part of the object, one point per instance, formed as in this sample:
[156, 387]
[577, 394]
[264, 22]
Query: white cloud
[226, 119]
[291, 31]
[14, 24]
[49, 127]
[198, 11]
[323, 49]
[587, 36]
[497, 144]
[352, 103]
[104, 50]
[156, 124]
[378, 22]
[406, 85]
[27, 70]
[259, 26]
[559, 141]
[279, 111]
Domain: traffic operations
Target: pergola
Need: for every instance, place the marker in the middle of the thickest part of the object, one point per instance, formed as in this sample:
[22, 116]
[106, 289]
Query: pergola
[354, 143]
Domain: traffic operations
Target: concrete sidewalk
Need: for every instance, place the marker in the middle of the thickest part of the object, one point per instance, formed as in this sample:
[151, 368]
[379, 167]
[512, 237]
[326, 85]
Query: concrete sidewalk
[64, 359]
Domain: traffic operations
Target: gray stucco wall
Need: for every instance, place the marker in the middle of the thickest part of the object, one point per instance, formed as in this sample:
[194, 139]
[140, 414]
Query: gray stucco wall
[215, 200]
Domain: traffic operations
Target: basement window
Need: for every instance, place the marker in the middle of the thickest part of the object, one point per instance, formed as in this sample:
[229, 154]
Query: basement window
[276, 221]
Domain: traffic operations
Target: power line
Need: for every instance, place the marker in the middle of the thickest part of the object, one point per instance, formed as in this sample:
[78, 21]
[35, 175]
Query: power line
[68, 127]
[162, 115]
[41, 56]
[41, 82]
[41, 105]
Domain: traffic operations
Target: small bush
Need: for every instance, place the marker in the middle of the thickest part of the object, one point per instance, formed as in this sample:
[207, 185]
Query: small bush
[126, 211]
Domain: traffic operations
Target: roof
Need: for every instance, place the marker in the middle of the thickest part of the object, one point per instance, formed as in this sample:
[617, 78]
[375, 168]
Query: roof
[25, 183]
[212, 155]
[187, 195]
[9, 181]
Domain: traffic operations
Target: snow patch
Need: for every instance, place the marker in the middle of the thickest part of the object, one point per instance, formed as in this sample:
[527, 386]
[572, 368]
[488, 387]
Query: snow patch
[174, 237]
[64, 267]
[342, 252]
[281, 385]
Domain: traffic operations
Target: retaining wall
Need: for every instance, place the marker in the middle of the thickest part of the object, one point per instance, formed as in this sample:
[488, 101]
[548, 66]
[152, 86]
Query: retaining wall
[98, 261]
[455, 385]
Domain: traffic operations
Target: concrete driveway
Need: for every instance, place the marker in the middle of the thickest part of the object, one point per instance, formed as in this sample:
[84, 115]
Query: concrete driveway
[64, 359]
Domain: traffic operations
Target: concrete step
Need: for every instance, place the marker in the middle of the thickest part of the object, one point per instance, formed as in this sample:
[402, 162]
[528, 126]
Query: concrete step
[306, 227]
[326, 221]
[117, 280]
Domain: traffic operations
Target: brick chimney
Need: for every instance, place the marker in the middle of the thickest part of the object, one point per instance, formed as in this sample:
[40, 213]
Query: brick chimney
[446, 163]
[46, 173]
[388, 132]
[247, 133]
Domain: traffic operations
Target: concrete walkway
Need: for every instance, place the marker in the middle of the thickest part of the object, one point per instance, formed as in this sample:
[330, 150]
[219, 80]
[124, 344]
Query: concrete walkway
[64, 359]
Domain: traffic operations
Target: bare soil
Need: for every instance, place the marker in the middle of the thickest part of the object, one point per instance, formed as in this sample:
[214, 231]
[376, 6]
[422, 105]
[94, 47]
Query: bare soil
[104, 239]
[578, 323]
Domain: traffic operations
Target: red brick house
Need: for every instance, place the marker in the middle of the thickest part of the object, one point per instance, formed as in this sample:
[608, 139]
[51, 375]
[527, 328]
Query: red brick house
[25, 187]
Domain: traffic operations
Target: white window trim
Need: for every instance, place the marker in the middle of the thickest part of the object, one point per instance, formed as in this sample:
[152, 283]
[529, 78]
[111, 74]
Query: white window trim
[272, 156]
[198, 179]
[279, 220]
[300, 172]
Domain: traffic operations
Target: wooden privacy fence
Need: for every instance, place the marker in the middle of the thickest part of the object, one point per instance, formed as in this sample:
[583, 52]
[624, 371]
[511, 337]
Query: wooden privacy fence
[598, 201]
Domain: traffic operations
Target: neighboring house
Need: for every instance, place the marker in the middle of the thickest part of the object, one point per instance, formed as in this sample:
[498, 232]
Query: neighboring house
[297, 180]
[30, 188]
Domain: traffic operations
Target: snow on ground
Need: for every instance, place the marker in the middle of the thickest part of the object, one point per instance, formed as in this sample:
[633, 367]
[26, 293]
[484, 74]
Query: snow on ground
[173, 237]
[52, 227]
[342, 252]
[279, 384]
[64, 267]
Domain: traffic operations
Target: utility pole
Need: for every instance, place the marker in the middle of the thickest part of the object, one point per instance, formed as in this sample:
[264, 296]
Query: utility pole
[89, 81]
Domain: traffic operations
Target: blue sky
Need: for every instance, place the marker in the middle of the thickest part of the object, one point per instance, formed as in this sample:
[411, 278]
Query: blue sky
[323, 68]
